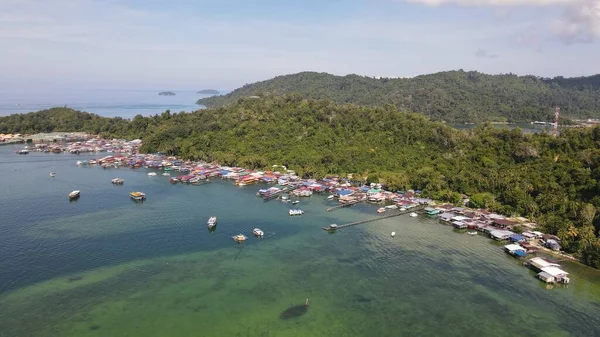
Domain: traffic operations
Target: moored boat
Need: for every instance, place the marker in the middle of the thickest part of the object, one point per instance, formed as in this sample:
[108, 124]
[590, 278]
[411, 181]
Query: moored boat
[212, 222]
[138, 196]
[381, 210]
[296, 212]
[393, 234]
[413, 215]
[52, 174]
[74, 194]
[118, 181]
[239, 238]
[258, 232]
[152, 174]
[472, 233]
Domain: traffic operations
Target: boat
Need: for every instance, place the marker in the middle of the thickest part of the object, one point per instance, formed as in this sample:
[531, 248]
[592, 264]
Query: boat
[472, 233]
[117, 181]
[212, 222]
[330, 197]
[295, 202]
[239, 238]
[74, 194]
[137, 196]
[166, 174]
[257, 232]
[52, 174]
[79, 163]
[152, 174]
[23, 152]
[393, 234]
[381, 210]
[296, 212]
[414, 215]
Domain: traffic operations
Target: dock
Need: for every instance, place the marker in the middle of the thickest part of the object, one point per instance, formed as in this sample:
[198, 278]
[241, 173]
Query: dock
[351, 203]
[398, 213]
[274, 195]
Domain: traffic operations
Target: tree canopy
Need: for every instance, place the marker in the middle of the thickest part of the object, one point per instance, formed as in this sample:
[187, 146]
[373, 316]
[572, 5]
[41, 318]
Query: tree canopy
[554, 180]
[453, 96]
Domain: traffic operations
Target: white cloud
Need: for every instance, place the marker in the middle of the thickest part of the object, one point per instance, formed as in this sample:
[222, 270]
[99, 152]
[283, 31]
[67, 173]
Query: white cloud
[579, 23]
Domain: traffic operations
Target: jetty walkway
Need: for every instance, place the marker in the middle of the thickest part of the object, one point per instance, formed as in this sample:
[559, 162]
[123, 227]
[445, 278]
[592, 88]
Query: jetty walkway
[414, 209]
[274, 195]
[351, 203]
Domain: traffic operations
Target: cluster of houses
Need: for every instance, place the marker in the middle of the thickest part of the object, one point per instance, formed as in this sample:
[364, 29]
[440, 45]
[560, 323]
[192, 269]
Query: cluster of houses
[11, 138]
[84, 144]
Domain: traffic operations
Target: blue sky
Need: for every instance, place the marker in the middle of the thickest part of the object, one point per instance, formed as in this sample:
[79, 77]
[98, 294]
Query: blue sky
[223, 44]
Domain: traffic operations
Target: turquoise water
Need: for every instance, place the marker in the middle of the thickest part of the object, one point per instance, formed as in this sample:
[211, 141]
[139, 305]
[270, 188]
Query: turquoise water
[106, 266]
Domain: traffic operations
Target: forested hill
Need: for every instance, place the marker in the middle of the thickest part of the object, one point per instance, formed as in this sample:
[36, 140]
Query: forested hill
[453, 96]
[554, 180]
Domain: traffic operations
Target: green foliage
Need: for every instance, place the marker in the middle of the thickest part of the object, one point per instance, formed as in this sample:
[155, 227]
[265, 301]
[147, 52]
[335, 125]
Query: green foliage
[453, 96]
[554, 180]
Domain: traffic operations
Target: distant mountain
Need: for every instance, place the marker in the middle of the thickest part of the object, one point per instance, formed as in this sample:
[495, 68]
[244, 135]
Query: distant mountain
[452, 96]
[166, 93]
[209, 92]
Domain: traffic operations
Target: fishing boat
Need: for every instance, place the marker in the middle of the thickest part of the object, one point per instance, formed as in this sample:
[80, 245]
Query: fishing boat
[23, 152]
[472, 233]
[152, 174]
[295, 202]
[117, 181]
[137, 196]
[52, 174]
[79, 163]
[166, 174]
[330, 197]
[296, 212]
[239, 238]
[74, 194]
[393, 234]
[257, 232]
[414, 215]
[212, 222]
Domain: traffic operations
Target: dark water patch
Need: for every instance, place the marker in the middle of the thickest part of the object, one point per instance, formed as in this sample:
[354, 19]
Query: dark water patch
[95, 327]
[293, 312]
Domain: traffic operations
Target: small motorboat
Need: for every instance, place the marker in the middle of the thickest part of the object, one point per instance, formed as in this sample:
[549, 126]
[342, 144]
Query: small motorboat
[166, 174]
[295, 202]
[381, 210]
[152, 174]
[212, 222]
[393, 234]
[79, 163]
[239, 238]
[52, 174]
[138, 196]
[330, 197]
[472, 233]
[296, 212]
[74, 194]
[414, 215]
[117, 181]
[258, 233]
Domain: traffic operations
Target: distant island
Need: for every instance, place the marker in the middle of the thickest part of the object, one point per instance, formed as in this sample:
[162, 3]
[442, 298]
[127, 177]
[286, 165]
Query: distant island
[166, 93]
[209, 92]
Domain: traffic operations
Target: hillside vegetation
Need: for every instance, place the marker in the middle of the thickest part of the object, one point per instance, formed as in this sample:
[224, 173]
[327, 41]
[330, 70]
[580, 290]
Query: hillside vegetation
[454, 96]
[554, 180]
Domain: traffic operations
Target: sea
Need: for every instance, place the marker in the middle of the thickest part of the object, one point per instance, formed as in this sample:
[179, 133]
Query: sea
[107, 103]
[104, 265]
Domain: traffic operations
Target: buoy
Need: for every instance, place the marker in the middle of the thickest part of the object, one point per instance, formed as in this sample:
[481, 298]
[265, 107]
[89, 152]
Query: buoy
[393, 234]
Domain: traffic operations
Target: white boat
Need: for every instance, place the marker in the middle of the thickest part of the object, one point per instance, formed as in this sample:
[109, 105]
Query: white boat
[472, 233]
[79, 163]
[414, 215]
[74, 194]
[166, 174]
[295, 202]
[117, 181]
[296, 212]
[152, 174]
[257, 232]
[239, 238]
[212, 222]
[381, 210]
[52, 174]
[393, 234]
[330, 197]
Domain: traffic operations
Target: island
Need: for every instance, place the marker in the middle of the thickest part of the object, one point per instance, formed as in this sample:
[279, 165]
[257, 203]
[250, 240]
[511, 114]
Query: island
[166, 93]
[209, 92]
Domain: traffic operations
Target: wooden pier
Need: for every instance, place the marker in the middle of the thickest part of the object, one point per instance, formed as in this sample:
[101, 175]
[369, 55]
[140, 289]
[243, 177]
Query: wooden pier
[351, 203]
[275, 195]
[395, 214]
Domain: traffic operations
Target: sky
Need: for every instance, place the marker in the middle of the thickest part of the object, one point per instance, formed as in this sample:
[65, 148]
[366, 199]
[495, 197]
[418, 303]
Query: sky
[224, 44]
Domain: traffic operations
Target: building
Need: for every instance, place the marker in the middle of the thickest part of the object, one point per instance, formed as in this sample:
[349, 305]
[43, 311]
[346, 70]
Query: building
[553, 275]
[515, 250]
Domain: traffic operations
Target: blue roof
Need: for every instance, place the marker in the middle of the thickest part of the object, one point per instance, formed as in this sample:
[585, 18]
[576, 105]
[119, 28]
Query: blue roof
[520, 253]
[517, 238]
[365, 188]
[344, 192]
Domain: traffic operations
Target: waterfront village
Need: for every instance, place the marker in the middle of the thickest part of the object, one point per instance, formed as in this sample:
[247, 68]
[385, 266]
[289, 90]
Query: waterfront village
[519, 233]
